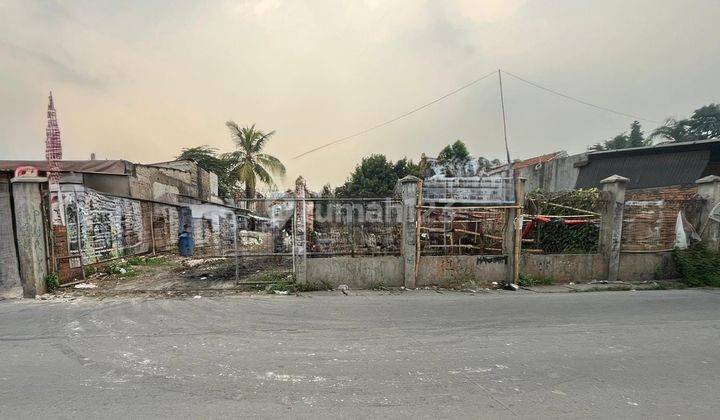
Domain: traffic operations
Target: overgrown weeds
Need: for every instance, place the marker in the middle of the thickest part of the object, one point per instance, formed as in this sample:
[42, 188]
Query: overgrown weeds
[698, 266]
[120, 268]
[526, 280]
[52, 283]
[377, 285]
[462, 279]
[89, 270]
[148, 261]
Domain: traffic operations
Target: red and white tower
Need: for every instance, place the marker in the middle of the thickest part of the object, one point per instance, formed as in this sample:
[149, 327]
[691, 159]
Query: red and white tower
[53, 155]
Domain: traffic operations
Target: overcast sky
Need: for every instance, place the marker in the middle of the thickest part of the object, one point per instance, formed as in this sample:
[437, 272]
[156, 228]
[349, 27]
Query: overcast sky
[139, 80]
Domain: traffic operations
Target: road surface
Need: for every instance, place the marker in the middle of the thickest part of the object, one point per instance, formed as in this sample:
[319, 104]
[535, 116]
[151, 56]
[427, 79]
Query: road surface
[368, 355]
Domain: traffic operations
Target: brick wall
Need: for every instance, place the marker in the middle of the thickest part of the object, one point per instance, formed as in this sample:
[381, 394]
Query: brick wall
[650, 216]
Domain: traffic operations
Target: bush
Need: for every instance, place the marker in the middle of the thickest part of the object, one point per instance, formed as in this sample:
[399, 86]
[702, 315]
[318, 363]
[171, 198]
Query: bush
[89, 270]
[379, 285]
[120, 268]
[52, 283]
[698, 266]
[557, 237]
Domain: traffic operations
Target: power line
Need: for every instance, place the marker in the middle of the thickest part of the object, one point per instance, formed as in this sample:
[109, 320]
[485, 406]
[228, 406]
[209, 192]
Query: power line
[502, 107]
[382, 124]
[579, 100]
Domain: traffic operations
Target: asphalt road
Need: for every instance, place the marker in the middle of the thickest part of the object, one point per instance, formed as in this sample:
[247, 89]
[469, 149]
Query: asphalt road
[369, 355]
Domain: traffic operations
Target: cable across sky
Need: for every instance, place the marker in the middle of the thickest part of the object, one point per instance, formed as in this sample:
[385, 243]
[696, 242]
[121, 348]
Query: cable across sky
[580, 101]
[461, 88]
[399, 117]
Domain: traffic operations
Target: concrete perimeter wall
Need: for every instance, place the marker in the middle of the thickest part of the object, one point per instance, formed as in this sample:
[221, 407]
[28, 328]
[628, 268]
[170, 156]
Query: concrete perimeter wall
[356, 272]
[647, 266]
[9, 272]
[450, 269]
[361, 272]
[564, 268]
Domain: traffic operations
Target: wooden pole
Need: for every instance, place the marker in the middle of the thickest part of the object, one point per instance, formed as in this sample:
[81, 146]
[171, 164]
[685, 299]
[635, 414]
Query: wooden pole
[573, 208]
[502, 106]
[519, 193]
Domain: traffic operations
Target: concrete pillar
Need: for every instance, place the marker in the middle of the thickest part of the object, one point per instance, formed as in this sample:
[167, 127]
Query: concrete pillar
[709, 189]
[300, 228]
[30, 231]
[409, 193]
[611, 228]
[512, 236]
[10, 284]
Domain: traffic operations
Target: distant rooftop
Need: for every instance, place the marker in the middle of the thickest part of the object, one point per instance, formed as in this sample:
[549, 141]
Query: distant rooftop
[115, 167]
[661, 165]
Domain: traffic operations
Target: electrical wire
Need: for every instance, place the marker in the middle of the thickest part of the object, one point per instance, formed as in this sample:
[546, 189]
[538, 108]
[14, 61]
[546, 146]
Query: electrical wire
[580, 101]
[407, 114]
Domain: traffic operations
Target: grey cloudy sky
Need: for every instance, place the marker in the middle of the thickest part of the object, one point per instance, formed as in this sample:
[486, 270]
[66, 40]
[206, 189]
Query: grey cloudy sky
[139, 80]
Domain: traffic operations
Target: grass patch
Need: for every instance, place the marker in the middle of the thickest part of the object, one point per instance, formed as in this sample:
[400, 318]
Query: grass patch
[148, 261]
[314, 286]
[530, 281]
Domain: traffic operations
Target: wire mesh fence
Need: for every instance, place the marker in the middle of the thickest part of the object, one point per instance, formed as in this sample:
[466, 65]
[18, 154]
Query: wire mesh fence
[324, 226]
[354, 227]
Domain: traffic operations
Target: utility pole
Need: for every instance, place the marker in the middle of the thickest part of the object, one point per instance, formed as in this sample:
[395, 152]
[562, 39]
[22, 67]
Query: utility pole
[502, 106]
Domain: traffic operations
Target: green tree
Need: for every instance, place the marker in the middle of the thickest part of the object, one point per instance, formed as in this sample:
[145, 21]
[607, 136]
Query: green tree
[248, 163]
[207, 158]
[636, 137]
[705, 122]
[618, 142]
[674, 130]
[454, 153]
[623, 141]
[375, 176]
[327, 191]
[405, 167]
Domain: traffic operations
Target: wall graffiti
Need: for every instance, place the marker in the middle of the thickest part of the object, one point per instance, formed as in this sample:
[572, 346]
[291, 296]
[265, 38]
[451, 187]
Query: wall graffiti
[101, 227]
[110, 227]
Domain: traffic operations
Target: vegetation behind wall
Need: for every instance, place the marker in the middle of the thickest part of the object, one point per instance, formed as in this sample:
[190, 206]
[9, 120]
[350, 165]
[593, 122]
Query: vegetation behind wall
[698, 266]
[557, 236]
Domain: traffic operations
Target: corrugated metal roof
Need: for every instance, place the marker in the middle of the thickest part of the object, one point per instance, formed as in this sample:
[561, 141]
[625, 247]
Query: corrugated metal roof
[653, 168]
[116, 167]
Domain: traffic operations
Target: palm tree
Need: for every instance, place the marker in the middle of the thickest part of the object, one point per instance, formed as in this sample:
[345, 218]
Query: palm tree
[248, 163]
[674, 130]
